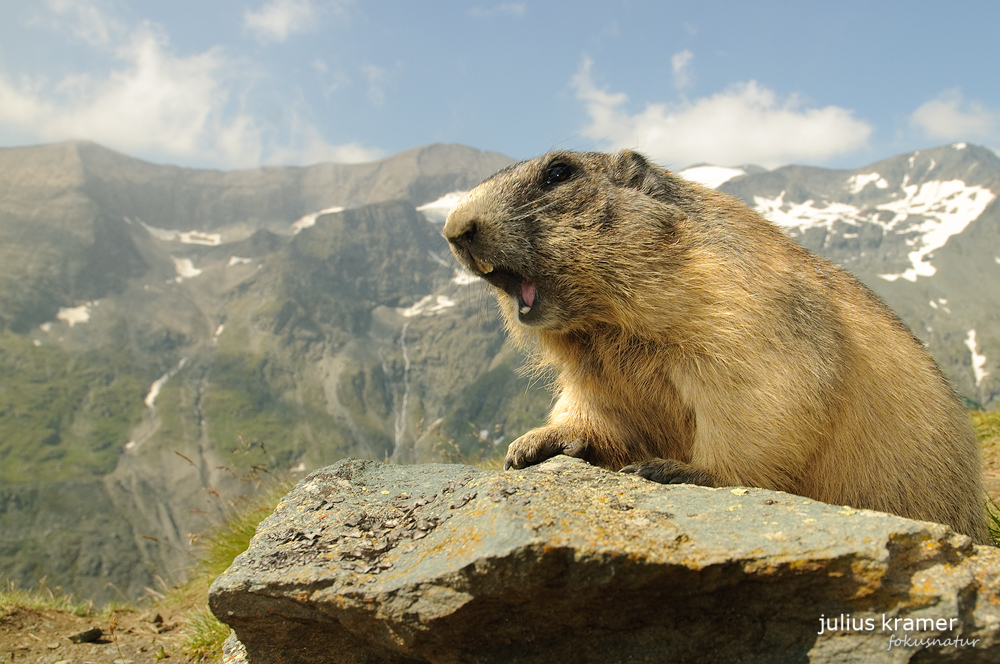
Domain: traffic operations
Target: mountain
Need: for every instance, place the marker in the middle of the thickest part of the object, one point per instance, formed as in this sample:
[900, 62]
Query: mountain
[169, 335]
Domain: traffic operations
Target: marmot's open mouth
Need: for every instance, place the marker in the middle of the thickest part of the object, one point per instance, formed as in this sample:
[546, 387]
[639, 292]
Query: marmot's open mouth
[527, 300]
[524, 292]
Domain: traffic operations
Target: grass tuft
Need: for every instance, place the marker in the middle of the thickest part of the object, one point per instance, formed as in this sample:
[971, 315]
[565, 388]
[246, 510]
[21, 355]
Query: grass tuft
[987, 427]
[218, 549]
[205, 636]
[46, 599]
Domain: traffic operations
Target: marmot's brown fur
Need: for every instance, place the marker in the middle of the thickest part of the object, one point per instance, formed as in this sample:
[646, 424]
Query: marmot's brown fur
[696, 342]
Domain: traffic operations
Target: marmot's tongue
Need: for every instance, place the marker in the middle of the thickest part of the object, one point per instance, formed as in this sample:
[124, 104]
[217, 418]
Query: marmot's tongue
[528, 293]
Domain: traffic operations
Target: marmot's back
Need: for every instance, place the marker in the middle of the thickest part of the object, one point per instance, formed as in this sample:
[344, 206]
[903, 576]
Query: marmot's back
[696, 342]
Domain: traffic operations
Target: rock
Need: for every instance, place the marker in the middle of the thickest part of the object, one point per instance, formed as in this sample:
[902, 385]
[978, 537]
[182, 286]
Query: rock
[87, 636]
[565, 562]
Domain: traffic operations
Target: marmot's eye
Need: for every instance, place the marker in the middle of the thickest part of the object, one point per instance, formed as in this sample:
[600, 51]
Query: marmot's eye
[558, 172]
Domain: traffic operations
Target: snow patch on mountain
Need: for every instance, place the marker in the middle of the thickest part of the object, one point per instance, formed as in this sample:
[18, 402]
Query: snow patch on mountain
[857, 183]
[154, 390]
[711, 176]
[809, 214]
[941, 304]
[940, 210]
[74, 315]
[238, 260]
[158, 233]
[978, 361]
[464, 278]
[928, 214]
[428, 306]
[310, 219]
[437, 211]
[184, 237]
[436, 257]
[198, 237]
[185, 269]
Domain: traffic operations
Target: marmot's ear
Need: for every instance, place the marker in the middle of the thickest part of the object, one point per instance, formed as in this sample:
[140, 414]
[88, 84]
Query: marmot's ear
[630, 169]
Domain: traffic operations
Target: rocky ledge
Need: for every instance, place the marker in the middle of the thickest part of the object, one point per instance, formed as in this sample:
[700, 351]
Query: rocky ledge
[565, 562]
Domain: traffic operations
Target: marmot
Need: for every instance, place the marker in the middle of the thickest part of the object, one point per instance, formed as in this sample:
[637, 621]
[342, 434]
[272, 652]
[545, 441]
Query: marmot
[695, 342]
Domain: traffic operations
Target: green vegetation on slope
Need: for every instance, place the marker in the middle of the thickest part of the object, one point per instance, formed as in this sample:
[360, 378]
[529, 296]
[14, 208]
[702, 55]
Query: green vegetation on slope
[63, 415]
[241, 402]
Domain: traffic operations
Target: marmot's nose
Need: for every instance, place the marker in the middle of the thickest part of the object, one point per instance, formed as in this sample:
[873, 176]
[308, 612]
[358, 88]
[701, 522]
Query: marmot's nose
[461, 233]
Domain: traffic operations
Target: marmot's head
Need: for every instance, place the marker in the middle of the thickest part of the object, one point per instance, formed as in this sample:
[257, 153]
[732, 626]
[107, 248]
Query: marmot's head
[570, 239]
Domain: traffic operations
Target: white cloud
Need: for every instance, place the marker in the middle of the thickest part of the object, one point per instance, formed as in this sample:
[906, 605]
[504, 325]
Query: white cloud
[950, 116]
[153, 102]
[378, 77]
[503, 9]
[89, 23]
[330, 78]
[681, 63]
[278, 19]
[744, 124]
[307, 146]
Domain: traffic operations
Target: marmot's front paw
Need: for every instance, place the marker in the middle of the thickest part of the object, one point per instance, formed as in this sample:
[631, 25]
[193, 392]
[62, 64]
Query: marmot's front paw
[544, 443]
[669, 471]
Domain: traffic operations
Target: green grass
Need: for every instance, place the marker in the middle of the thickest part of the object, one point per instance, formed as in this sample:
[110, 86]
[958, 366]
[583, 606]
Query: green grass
[987, 426]
[258, 399]
[242, 400]
[204, 633]
[231, 538]
[44, 599]
[205, 636]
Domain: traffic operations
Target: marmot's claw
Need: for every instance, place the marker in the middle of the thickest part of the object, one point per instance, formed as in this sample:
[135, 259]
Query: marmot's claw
[523, 455]
[540, 444]
[669, 471]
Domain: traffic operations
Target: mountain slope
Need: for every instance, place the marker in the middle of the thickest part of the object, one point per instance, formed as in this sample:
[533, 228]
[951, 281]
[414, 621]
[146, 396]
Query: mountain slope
[167, 333]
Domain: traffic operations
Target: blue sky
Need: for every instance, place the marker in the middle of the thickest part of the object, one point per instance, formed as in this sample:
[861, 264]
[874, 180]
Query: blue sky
[236, 84]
